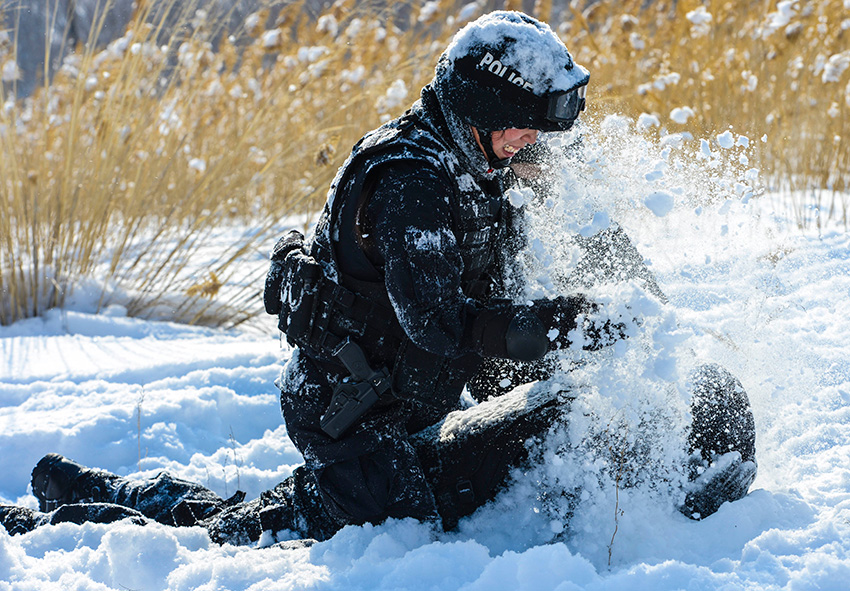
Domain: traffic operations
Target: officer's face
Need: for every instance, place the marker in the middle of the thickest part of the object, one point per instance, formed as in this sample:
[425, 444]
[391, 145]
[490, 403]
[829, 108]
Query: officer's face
[508, 142]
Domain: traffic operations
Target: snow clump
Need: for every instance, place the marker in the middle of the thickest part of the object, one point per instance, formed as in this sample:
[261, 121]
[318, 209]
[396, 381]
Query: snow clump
[779, 19]
[681, 114]
[198, 165]
[271, 39]
[700, 19]
[646, 120]
[10, 71]
[660, 203]
[835, 66]
[394, 97]
[468, 11]
[726, 140]
[519, 197]
[428, 10]
[636, 41]
[327, 23]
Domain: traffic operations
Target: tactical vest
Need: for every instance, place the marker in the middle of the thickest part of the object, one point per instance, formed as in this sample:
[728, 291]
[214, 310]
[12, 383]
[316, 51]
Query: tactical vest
[358, 306]
[477, 208]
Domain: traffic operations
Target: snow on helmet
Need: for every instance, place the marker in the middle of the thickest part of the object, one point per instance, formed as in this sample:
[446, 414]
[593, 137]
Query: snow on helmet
[509, 70]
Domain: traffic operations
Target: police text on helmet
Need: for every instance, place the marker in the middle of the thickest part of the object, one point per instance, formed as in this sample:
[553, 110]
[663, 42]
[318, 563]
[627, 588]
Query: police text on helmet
[496, 67]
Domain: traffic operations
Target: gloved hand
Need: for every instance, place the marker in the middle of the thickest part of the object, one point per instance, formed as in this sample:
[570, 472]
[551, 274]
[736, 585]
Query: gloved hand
[561, 314]
[293, 240]
[527, 333]
[508, 331]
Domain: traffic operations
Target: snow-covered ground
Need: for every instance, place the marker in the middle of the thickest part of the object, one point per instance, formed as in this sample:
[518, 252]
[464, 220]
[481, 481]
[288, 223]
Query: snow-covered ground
[747, 289]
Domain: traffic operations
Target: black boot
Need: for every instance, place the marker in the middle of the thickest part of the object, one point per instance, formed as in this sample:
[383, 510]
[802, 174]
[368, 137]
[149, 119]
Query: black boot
[294, 507]
[21, 520]
[722, 442]
[58, 481]
[727, 479]
[54, 482]
[722, 417]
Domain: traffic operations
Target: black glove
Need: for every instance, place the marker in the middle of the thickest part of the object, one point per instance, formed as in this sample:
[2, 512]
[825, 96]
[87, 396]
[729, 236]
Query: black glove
[561, 315]
[508, 331]
[293, 240]
[525, 333]
[522, 333]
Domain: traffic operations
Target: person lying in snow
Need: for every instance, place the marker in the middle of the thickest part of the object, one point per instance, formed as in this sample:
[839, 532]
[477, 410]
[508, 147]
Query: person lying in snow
[397, 303]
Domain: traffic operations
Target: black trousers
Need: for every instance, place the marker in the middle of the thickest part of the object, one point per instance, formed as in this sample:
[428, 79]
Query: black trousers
[406, 460]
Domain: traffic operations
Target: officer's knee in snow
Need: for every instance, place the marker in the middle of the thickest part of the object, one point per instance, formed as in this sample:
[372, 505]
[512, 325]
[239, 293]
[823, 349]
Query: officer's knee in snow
[722, 417]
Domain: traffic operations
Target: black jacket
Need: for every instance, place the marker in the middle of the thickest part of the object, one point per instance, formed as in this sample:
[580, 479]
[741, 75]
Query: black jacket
[417, 221]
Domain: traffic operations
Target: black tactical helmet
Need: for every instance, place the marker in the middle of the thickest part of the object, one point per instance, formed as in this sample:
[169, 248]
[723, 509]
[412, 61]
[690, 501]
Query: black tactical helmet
[509, 70]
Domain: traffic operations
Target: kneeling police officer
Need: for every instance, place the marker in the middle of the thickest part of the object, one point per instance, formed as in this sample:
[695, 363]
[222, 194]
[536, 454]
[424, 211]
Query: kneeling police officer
[396, 303]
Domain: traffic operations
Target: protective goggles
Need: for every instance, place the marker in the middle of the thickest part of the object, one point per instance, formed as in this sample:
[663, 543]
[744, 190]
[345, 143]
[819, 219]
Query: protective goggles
[565, 106]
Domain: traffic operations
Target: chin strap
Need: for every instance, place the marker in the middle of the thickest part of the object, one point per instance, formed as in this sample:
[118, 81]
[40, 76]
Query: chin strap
[486, 139]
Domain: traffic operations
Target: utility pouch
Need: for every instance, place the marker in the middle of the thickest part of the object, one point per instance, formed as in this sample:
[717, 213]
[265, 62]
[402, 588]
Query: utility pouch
[302, 279]
[292, 241]
[292, 286]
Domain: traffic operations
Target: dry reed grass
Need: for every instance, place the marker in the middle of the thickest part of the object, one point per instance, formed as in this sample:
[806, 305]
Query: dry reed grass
[125, 163]
[132, 156]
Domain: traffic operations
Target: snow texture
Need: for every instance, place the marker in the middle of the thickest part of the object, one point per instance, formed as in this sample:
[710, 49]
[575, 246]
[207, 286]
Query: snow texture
[746, 289]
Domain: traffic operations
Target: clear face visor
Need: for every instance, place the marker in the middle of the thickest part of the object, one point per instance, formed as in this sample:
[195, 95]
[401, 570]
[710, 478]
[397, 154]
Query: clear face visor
[567, 105]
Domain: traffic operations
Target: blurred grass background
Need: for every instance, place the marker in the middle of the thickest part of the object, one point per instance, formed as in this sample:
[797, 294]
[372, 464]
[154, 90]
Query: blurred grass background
[117, 173]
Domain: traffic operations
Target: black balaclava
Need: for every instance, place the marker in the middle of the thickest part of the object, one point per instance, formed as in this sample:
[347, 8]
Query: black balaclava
[461, 134]
[486, 139]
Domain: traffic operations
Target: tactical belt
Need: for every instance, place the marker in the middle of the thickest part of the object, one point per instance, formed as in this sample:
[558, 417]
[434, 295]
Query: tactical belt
[340, 313]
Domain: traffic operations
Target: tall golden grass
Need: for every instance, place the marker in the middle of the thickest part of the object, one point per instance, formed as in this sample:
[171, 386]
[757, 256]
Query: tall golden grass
[121, 168]
[123, 165]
